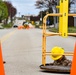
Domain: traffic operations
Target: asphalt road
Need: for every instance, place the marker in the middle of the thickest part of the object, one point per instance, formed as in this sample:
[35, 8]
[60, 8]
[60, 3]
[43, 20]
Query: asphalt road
[22, 50]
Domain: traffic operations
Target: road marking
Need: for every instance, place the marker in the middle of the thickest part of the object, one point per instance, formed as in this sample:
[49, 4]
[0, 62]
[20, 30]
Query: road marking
[5, 37]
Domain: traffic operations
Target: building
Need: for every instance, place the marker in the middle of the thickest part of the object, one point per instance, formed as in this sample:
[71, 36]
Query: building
[72, 20]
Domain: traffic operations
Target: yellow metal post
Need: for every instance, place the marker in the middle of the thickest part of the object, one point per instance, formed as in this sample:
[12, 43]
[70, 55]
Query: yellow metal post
[61, 18]
[44, 42]
[65, 18]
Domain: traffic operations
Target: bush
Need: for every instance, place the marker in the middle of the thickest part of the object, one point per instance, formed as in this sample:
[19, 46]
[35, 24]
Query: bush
[8, 25]
[70, 30]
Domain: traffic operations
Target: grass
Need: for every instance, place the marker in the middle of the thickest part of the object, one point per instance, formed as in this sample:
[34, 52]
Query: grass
[53, 29]
[8, 25]
[70, 30]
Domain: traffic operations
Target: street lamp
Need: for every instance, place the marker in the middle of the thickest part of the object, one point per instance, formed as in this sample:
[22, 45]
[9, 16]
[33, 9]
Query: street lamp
[41, 16]
[19, 14]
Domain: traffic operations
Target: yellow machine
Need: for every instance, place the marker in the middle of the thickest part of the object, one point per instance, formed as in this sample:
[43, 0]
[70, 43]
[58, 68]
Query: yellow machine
[63, 28]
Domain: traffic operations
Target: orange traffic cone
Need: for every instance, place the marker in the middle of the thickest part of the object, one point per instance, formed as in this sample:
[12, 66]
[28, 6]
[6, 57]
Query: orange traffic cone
[73, 68]
[1, 62]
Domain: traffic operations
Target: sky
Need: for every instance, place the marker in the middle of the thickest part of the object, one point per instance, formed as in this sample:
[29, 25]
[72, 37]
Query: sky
[25, 7]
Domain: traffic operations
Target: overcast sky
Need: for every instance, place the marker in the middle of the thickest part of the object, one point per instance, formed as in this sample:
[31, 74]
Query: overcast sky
[25, 7]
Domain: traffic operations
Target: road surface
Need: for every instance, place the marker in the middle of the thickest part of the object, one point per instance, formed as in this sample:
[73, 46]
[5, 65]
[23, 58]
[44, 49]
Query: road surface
[22, 50]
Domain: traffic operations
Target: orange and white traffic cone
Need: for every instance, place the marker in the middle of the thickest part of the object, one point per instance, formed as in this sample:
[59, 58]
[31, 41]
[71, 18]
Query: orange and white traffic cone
[1, 62]
[73, 67]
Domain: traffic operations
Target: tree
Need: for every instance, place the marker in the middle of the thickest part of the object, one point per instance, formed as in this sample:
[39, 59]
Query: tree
[48, 5]
[3, 11]
[42, 14]
[11, 10]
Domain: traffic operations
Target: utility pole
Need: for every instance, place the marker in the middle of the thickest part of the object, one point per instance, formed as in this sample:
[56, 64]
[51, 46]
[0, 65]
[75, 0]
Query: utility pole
[41, 16]
[19, 14]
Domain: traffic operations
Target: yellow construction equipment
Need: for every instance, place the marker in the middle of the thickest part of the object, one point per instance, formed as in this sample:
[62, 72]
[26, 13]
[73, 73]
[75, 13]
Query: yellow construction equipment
[63, 20]
[63, 28]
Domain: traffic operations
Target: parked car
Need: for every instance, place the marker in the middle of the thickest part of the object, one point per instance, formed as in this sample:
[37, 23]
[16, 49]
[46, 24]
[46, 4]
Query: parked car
[15, 26]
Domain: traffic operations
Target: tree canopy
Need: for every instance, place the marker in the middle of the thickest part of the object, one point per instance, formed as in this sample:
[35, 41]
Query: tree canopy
[7, 10]
[45, 3]
[3, 10]
[11, 9]
[48, 6]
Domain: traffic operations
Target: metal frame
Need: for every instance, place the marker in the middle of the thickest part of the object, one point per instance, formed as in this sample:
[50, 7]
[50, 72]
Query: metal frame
[63, 28]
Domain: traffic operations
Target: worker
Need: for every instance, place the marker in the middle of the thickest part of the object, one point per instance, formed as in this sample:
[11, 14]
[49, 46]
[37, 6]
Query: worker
[60, 59]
